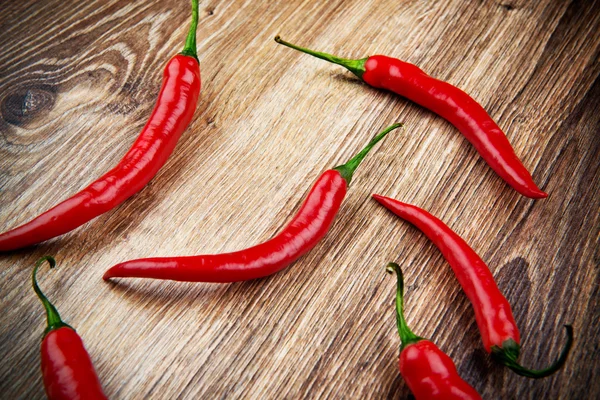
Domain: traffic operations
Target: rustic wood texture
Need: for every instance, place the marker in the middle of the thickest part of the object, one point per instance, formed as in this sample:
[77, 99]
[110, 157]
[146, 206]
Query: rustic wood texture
[78, 80]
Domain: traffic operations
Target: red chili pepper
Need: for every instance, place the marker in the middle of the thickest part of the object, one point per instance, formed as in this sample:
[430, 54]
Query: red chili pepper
[172, 114]
[428, 371]
[66, 366]
[303, 232]
[493, 313]
[447, 101]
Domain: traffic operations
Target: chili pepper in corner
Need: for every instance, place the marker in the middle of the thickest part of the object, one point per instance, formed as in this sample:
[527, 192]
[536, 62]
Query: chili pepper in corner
[302, 233]
[67, 369]
[447, 101]
[172, 114]
[428, 371]
[492, 311]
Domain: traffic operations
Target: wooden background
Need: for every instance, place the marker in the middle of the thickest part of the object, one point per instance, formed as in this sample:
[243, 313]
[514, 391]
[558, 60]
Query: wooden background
[78, 79]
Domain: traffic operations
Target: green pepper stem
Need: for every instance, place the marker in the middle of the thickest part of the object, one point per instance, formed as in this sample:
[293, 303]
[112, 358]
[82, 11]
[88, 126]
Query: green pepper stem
[52, 315]
[190, 41]
[357, 67]
[509, 352]
[347, 170]
[406, 335]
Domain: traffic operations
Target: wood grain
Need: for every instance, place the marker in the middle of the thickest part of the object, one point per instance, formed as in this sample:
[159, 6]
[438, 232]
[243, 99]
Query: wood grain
[78, 80]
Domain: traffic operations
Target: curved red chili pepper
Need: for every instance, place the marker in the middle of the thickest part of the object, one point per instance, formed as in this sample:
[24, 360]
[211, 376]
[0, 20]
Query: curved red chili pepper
[449, 102]
[304, 231]
[172, 114]
[493, 314]
[428, 371]
[67, 369]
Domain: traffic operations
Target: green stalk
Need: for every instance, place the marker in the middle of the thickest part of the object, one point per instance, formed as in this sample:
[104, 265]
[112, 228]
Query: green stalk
[407, 336]
[357, 67]
[52, 315]
[509, 352]
[347, 170]
[190, 42]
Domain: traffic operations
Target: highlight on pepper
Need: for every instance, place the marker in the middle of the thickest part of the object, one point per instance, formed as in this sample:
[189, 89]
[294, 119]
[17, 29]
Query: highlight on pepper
[428, 371]
[67, 370]
[447, 101]
[302, 233]
[170, 117]
[493, 313]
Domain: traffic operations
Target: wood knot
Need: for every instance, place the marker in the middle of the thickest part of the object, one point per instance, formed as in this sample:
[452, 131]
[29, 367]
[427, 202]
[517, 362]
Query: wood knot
[25, 104]
[508, 6]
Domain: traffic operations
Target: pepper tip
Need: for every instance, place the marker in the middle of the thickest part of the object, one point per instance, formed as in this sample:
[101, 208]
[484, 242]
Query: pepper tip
[534, 193]
[107, 275]
[379, 198]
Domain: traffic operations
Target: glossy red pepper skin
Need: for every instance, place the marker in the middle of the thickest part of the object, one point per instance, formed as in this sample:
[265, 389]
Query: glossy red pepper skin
[428, 371]
[67, 368]
[431, 374]
[171, 115]
[449, 102]
[493, 313]
[303, 232]
[458, 108]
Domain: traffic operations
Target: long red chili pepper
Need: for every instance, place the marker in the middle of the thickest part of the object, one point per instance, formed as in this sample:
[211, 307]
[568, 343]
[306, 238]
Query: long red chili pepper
[447, 101]
[428, 371]
[493, 313]
[303, 232]
[172, 114]
[66, 366]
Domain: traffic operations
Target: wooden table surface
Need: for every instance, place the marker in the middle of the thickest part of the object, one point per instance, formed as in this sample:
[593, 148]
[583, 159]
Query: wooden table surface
[78, 79]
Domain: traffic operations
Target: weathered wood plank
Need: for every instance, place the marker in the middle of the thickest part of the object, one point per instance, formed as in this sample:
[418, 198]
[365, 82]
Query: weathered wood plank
[78, 80]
